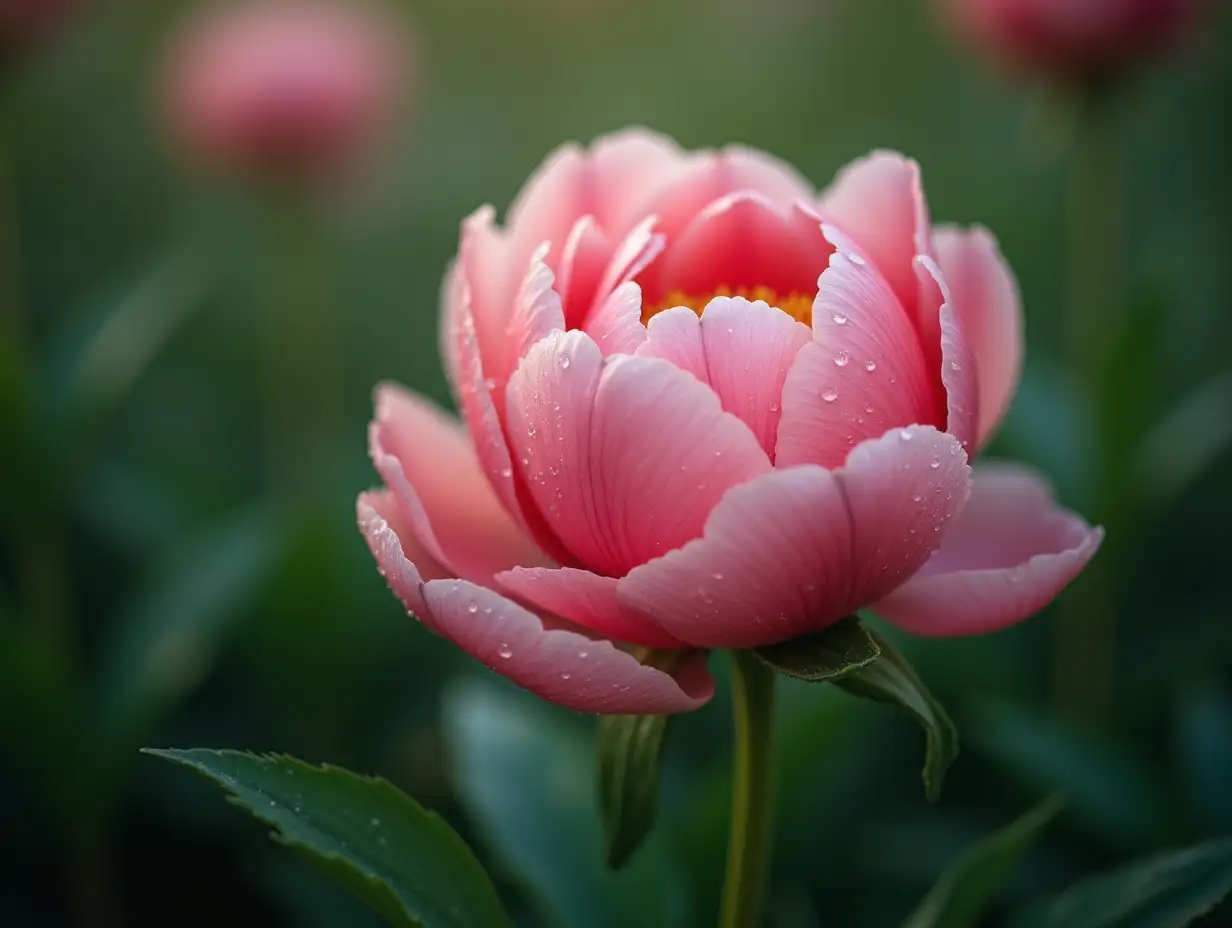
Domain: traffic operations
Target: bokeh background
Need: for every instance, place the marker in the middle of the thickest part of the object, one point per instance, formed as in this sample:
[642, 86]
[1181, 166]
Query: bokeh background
[172, 574]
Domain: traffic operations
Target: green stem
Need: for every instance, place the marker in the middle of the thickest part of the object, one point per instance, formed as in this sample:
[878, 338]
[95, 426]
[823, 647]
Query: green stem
[1085, 642]
[752, 821]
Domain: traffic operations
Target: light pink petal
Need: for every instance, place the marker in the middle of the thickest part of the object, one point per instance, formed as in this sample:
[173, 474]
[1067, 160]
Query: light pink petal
[958, 372]
[743, 240]
[586, 253]
[551, 201]
[793, 551]
[485, 268]
[585, 599]
[536, 312]
[749, 348]
[986, 299]
[635, 253]
[1008, 555]
[426, 459]
[773, 564]
[385, 504]
[632, 165]
[616, 326]
[863, 373]
[903, 491]
[879, 202]
[626, 458]
[560, 666]
[675, 335]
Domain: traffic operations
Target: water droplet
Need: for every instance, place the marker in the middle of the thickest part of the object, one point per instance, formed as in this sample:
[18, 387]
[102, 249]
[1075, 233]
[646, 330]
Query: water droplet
[775, 407]
[565, 675]
[870, 366]
[490, 383]
[830, 395]
[841, 359]
[718, 576]
[505, 651]
[506, 472]
[531, 429]
[855, 259]
[583, 654]
[472, 608]
[840, 319]
[935, 463]
[906, 434]
[955, 366]
[916, 498]
[868, 407]
[565, 361]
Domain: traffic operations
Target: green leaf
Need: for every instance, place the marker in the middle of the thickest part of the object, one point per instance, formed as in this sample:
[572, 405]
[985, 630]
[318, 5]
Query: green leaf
[891, 679]
[402, 860]
[630, 753]
[831, 654]
[960, 897]
[526, 773]
[1170, 890]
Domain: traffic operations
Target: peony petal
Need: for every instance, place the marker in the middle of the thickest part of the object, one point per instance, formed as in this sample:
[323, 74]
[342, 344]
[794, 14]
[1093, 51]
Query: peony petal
[484, 265]
[616, 326]
[426, 459]
[587, 600]
[863, 373]
[631, 165]
[536, 312]
[1008, 555]
[635, 253]
[675, 335]
[582, 261]
[987, 302]
[385, 504]
[791, 552]
[560, 666]
[957, 365]
[625, 458]
[749, 348]
[742, 240]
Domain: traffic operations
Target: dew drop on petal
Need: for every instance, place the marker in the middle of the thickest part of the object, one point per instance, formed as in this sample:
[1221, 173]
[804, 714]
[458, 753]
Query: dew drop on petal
[855, 259]
[506, 472]
[906, 434]
[583, 654]
[868, 407]
[934, 463]
[472, 608]
[565, 361]
[870, 366]
[505, 651]
[840, 319]
[565, 675]
[830, 395]
[841, 359]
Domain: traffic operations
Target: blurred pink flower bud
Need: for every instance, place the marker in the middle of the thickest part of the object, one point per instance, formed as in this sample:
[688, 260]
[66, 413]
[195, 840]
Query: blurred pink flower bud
[1075, 38]
[284, 89]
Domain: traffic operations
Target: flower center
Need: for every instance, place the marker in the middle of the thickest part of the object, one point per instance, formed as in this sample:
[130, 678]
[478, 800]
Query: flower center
[797, 305]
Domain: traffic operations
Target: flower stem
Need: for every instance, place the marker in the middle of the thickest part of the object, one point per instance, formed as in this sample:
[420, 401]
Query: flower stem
[752, 821]
[1085, 641]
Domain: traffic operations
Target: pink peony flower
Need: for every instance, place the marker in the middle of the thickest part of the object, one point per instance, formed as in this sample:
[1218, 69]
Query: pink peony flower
[706, 408]
[283, 89]
[1081, 38]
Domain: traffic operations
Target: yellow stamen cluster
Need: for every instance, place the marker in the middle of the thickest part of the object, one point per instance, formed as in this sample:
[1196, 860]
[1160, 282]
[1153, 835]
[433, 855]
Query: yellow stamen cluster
[797, 305]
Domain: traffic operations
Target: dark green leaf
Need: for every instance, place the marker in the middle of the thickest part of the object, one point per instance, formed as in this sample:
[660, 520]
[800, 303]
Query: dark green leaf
[630, 751]
[831, 654]
[526, 774]
[891, 679]
[1167, 891]
[960, 897]
[402, 860]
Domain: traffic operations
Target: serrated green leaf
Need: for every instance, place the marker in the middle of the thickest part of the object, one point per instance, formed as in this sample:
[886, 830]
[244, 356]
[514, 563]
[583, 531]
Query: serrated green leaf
[401, 859]
[1169, 890]
[630, 753]
[526, 775]
[831, 654]
[891, 679]
[965, 889]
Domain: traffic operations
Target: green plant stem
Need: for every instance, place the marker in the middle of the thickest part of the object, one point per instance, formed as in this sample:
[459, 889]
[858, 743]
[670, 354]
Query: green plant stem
[1085, 642]
[752, 821]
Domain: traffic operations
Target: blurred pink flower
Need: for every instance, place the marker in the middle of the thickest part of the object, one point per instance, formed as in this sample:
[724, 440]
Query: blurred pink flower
[1076, 38]
[284, 89]
[707, 408]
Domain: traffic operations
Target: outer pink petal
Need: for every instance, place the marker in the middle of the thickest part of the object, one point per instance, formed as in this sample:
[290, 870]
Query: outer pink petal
[385, 504]
[585, 599]
[987, 302]
[486, 286]
[624, 459]
[616, 326]
[793, 551]
[537, 311]
[675, 335]
[957, 364]
[1008, 555]
[742, 240]
[560, 666]
[863, 374]
[749, 348]
[425, 457]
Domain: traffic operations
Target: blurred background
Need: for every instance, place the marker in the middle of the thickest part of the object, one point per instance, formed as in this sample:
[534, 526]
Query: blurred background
[191, 341]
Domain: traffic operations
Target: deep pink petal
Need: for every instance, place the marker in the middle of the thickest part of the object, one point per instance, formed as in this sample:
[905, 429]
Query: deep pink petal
[626, 458]
[742, 240]
[958, 371]
[634, 254]
[793, 551]
[675, 335]
[585, 599]
[863, 373]
[580, 267]
[987, 302]
[1008, 555]
[425, 457]
[616, 326]
[749, 348]
[560, 666]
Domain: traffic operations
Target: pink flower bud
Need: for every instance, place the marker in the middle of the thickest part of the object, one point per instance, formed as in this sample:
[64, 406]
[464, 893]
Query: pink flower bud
[1073, 38]
[284, 90]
